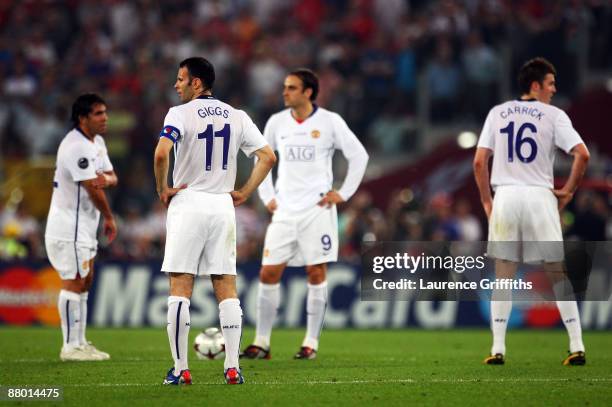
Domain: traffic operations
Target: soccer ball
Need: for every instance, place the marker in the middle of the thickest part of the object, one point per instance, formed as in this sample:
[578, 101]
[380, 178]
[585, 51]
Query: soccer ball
[209, 344]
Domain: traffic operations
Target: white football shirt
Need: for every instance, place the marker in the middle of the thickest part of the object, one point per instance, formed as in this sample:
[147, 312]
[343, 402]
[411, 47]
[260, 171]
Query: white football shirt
[72, 215]
[207, 134]
[524, 135]
[305, 151]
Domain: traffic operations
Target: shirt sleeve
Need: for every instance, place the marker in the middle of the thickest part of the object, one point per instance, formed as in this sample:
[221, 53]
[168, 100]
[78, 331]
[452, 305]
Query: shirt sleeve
[173, 126]
[487, 140]
[252, 139]
[106, 162]
[80, 162]
[566, 137]
[266, 190]
[354, 152]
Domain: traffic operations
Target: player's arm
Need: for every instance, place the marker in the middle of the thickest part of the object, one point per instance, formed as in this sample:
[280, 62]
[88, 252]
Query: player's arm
[357, 157]
[263, 164]
[106, 179]
[266, 188]
[266, 191]
[111, 178]
[581, 159]
[161, 163]
[481, 174]
[98, 197]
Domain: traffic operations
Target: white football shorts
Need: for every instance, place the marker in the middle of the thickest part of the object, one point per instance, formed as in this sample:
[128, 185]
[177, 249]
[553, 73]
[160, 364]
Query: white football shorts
[306, 238]
[525, 225]
[201, 234]
[69, 258]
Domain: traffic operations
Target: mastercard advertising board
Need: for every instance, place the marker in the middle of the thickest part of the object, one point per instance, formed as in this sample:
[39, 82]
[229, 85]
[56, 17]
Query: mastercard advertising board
[134, 294]
[28, 294]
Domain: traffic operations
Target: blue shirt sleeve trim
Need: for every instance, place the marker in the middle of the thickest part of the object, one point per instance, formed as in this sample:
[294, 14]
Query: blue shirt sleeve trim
[171, 133]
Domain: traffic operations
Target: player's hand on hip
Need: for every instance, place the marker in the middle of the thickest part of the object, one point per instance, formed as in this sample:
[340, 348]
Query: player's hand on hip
[563, 197]
[167, 194]
[331, 198]
[239, 197]
[110, 229]
[272, 205]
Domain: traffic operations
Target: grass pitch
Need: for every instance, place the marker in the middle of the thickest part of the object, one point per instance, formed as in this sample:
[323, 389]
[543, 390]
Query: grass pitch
[353, 368]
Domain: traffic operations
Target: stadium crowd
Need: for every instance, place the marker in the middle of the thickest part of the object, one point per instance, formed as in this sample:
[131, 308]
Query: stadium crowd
[406, 218]
[370, 55]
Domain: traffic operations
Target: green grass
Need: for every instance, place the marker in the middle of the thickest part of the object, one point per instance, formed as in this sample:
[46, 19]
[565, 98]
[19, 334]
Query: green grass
[354, 368]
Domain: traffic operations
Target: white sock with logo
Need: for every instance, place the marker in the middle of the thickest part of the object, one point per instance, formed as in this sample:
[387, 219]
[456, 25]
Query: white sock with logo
[571, 320]
[179, 323]
[316, 303]
[230, 316]
[69, 306]
[268, 300]
[501, 306]
[84, 297]
[568, 308]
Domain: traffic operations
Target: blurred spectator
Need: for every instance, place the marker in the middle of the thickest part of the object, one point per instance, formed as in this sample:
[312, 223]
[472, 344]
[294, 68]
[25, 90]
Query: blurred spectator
[40, 130]
[358, 21]
[156, 224]
[440, 223]
[136, 236]
[449, 18]
[265, 74]
[20, 82]
[330, 87]
[389, 13]
[250, 232]
[20, 231]
[470, 229]
[590, 217]
[124, 21]
[393, 130]
[443, 79]
[39, 50]
[482, 68]
[406, 71]
[378, 68]
[309, 14]
[360, 222]
[10, 247]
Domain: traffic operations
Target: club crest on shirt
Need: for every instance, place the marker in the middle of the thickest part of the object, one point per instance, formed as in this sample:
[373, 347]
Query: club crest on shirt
[83, 163]
[266, 253]
[315, 134]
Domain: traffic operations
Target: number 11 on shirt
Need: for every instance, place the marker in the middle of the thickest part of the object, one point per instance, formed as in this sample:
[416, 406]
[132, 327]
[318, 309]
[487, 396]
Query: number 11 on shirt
[208, 135]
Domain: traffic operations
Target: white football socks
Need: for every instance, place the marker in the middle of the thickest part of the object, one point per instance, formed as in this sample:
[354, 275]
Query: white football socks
[230, 317]
[569, 314]
[500, 314]
[69, 306]
[571, 320]
[84, 297]
[268, 300]
[316, 303]
[179, 323]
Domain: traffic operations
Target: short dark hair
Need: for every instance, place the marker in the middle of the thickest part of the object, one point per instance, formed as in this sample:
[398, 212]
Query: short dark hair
[309, 81]
[199, 67]
[534, 70]
[83, 105]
